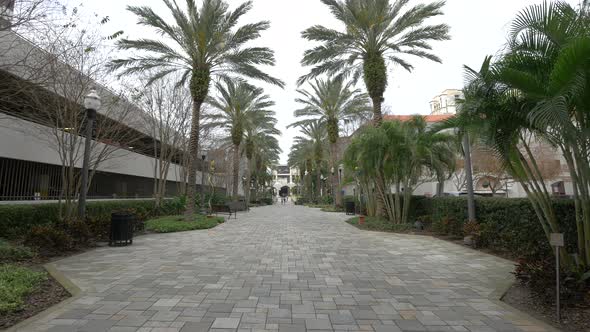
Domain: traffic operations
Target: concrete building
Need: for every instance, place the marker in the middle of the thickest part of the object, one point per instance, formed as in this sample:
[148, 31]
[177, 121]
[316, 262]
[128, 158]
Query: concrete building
[31, 165]
[284, 177]
[488, 174]
[446, 102]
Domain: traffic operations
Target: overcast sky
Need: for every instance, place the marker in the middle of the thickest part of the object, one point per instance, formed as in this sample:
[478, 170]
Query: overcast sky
[478, 28]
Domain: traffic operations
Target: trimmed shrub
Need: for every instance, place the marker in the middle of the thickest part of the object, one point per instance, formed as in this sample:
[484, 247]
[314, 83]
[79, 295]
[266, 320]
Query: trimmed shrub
[10, 253]
[507, 224]
[16, 220]
[170, 224]
[49, 239]
[267, 201]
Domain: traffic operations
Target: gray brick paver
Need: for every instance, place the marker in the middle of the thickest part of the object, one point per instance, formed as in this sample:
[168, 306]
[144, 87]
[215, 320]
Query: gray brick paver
[284, 268]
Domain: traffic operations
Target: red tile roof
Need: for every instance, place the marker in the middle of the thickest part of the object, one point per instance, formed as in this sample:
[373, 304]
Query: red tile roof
[429, 118]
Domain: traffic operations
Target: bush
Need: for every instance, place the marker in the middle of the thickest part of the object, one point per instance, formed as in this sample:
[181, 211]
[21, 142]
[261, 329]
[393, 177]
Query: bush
[327, 200]
[17, 220]
[216, 199]
[267, 201]
[15, 284]
[49, 239]
[171, 224]
[10, 253]
[507, 224]
[379, 224]
[301, 201]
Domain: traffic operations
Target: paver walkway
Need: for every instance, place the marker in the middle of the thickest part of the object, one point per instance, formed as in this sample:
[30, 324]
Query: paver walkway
[284, 268]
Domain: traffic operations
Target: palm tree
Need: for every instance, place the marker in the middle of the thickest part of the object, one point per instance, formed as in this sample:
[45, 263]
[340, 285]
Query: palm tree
[376, 33]
[301, 156]
[397, 155]
[538, 89]
[240, 107]
[333, 103]
[200, 44]
[261, 145]
[263, 160]
[312, 144]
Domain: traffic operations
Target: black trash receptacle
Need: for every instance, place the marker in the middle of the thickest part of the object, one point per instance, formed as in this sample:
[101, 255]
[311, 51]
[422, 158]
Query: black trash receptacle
[349, 207]
[121, 229]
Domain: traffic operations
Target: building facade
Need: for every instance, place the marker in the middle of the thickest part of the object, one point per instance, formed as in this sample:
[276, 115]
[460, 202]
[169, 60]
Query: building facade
[489, 177]
[33, 147]
[446, 102]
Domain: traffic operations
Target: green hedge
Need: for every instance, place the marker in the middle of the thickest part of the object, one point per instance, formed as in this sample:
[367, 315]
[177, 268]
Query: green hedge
[508, 224]
[17, 219]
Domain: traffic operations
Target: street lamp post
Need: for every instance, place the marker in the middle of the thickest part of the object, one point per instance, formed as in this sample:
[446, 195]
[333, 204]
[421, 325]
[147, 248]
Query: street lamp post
[91, 105]
[339, 182]
[469, 177]
[203, 169]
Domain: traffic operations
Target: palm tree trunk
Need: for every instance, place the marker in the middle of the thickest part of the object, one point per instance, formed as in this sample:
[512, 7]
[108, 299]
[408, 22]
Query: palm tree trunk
[319, 181]
[236, 172]
[247, 190]
[375, 72]
[333, 178]
[199, 87]
[191, 188]
[377, 113]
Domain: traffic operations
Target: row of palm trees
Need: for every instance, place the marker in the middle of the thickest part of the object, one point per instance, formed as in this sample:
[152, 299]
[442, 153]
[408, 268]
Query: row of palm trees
[205, 44]
[376, 35]
[243, 111]
[327, 105]
[538, 91]
[202, 44]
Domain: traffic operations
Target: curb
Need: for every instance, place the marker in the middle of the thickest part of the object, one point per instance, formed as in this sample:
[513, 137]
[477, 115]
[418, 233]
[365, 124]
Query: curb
[499, 293]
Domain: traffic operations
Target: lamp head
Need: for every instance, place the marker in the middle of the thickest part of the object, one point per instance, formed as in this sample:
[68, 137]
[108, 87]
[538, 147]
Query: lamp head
[92, 100]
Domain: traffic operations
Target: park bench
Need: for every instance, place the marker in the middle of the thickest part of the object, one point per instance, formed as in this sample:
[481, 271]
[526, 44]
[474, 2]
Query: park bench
[223, 209]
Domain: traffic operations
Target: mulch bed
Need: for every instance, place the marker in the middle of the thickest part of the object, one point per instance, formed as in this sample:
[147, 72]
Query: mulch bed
[574, 317]
[50, 293]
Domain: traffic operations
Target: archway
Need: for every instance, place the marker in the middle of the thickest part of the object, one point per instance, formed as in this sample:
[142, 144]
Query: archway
[284, 191]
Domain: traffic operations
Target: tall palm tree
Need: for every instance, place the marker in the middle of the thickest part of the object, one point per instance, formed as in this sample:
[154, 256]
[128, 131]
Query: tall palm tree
[263, 160]
[332, 102]
[301, 156]
[313, 143]
[376, 33]
[260, 144]
[200, 44]
[240, 107]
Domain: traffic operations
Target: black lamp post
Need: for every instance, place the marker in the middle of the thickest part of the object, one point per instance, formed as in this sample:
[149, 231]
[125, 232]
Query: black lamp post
[203, 169]
[91, 105]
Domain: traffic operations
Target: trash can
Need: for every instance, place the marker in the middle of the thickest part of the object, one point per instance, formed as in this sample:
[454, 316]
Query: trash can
[349, 208]
[121, 229]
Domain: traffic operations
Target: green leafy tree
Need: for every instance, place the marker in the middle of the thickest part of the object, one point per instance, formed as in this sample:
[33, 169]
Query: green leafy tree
[240, 107]
[333, 102]
[400, 156]
[377, 33]
[309, 149]
[261, 148]
[200, 43]
[537, 92]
